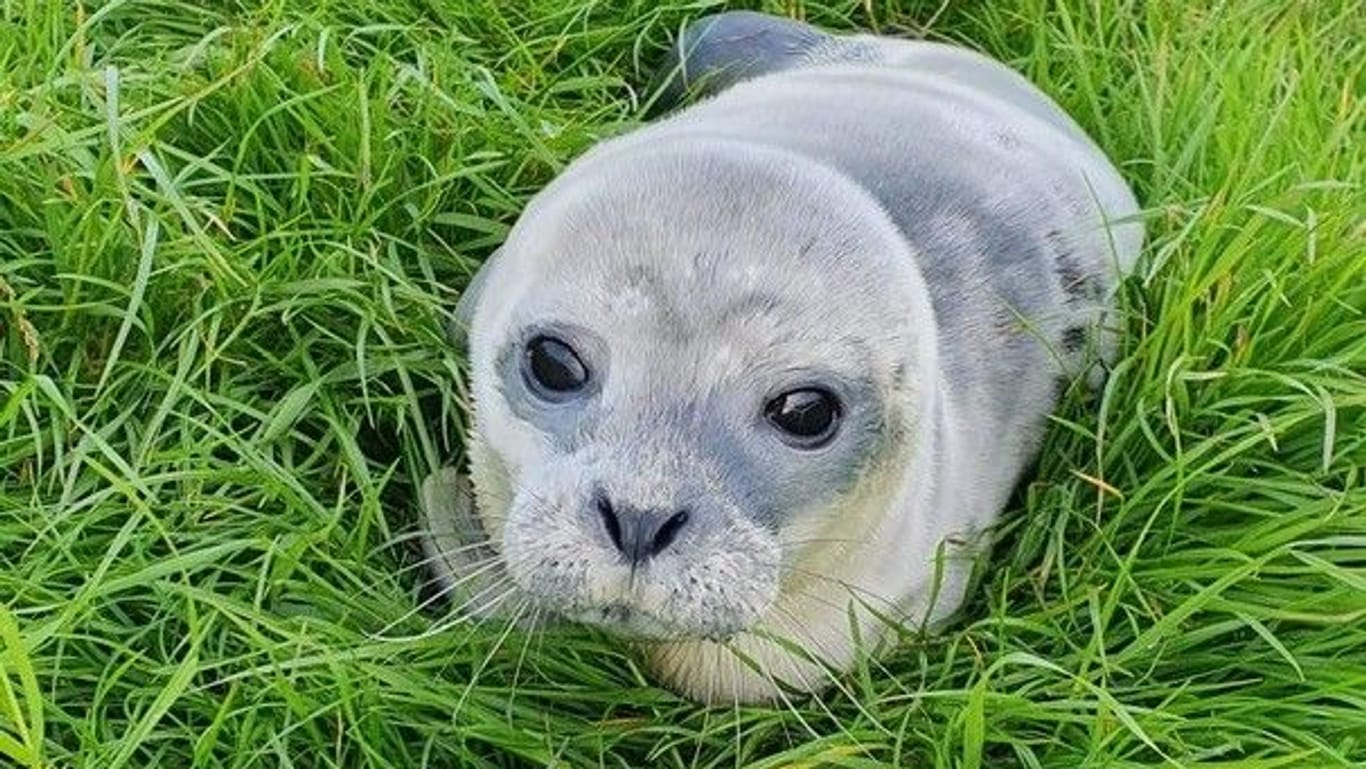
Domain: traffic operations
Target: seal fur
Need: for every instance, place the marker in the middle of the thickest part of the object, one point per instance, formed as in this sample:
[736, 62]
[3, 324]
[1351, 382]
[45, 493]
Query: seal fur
[911, 226]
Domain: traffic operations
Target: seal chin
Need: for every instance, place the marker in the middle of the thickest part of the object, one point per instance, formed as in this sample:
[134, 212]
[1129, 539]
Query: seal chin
[633, 623]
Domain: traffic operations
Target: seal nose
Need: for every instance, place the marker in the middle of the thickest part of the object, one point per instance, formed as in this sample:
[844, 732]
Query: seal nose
[640, 535]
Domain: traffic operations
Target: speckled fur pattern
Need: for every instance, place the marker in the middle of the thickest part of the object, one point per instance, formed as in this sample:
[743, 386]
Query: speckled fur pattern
[910, 225]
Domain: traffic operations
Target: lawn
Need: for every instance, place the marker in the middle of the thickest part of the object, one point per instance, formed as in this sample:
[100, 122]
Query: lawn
[230, 235]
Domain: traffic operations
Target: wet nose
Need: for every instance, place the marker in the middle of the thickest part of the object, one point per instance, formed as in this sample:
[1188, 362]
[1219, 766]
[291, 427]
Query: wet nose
[639, 534]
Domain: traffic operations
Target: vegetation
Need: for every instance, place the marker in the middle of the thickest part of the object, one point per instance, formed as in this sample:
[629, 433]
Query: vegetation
[230, 234]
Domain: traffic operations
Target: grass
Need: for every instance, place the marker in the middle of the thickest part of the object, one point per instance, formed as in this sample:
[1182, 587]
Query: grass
[229, 236]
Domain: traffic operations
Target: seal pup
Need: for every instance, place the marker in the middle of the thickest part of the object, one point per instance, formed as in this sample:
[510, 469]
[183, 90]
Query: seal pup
[750, 382]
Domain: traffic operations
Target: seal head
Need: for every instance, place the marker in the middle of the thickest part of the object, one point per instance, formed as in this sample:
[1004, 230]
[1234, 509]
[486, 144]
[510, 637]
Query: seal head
[662, 401]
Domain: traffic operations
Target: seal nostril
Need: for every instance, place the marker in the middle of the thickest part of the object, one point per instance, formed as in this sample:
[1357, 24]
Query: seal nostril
[610, 521]
[668, 532]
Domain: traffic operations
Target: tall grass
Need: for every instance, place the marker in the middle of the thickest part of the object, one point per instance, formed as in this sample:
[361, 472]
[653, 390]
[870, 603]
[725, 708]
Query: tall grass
[229, 237]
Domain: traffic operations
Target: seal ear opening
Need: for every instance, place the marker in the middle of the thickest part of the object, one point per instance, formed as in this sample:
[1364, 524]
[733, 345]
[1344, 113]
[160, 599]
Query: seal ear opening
[458, 330]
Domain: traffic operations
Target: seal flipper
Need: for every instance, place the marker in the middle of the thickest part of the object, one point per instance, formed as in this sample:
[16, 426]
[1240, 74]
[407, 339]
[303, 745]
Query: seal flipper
[718, 51]
[464, 569]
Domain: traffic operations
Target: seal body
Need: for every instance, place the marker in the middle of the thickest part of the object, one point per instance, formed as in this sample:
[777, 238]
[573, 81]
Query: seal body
[903, 242]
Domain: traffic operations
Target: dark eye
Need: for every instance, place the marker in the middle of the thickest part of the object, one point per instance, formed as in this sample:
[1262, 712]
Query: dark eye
[554, 367]
[808, 417]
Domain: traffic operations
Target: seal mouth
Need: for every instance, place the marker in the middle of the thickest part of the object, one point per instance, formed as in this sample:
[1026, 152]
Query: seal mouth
[625, 620]
[630, 622]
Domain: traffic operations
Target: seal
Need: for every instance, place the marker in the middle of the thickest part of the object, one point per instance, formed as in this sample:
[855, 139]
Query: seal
[752, 383]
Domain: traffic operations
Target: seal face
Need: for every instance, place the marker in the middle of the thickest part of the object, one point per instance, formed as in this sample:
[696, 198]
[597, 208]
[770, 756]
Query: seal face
[678, 390]
[743, 378]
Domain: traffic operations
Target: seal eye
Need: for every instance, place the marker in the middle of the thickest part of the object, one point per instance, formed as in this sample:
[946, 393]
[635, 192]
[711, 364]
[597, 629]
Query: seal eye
[807, 417]
[553, 366]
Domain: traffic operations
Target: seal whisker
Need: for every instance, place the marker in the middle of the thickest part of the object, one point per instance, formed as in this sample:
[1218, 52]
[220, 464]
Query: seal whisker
[470, 570]
[427, 561]
[444, 591]
[531, 622]
[506, 631]
[512, 618]
[825, 541]
[834, 681]
[398, 539]
[863, 595]
[778, 688]
[870, 658]
[458, 616]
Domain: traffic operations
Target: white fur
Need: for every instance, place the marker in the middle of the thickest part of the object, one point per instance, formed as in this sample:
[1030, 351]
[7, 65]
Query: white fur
[901, 539]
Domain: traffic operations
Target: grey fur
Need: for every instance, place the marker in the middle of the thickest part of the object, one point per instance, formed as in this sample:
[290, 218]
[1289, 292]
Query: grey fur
[909, 225]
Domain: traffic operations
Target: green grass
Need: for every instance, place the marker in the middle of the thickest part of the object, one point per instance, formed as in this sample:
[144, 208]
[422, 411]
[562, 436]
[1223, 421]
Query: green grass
[228, 241]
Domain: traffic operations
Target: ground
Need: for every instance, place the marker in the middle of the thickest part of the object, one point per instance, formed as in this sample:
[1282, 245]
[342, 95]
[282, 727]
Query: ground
[229, 239]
